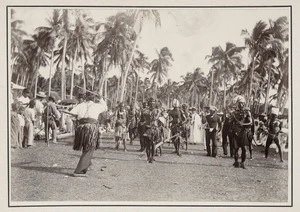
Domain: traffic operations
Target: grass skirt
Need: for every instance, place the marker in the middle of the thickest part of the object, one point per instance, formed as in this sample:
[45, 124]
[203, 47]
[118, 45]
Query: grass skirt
[87, 136]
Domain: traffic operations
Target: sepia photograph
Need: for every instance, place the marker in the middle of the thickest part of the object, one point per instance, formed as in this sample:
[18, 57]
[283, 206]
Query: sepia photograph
[149, 105]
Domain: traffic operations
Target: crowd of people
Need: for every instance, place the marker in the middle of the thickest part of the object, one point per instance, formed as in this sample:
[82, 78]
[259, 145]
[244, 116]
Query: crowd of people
[29, 117]
[236, 128]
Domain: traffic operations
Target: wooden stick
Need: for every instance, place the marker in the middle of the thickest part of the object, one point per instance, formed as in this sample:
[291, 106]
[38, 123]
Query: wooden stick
[67, 112]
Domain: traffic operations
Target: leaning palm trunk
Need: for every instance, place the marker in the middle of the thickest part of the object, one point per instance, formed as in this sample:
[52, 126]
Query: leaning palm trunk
[36, 83]
[128, 67]
[136, 88]
[268, 91]
[72, 75]
[63, 82]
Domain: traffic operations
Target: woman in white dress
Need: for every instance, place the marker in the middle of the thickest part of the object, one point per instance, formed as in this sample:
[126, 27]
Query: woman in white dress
[195, 127]
[202, 130]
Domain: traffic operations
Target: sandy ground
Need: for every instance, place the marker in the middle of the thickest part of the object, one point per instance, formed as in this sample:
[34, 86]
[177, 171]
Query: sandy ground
[44, 173]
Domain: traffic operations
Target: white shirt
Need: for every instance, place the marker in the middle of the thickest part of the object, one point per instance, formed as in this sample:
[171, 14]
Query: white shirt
[21, 120]
[24, 100]
[89, 109]
[39, 107]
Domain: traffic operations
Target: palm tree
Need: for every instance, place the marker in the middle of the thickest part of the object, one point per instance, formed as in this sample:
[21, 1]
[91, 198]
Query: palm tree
[80, 40]
[17, 35]
[195, 83]
[36, 51]
[230, 62]
[280, 31]
[159, 68]
[256, 43]
[50, 36]
[116, 42]
[65, 31]
[138, 16]
[139, 64]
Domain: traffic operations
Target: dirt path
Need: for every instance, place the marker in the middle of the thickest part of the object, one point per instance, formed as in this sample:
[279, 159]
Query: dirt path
[44, 174]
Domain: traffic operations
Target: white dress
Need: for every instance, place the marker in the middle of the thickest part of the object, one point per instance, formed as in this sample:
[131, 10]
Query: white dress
[195, 129]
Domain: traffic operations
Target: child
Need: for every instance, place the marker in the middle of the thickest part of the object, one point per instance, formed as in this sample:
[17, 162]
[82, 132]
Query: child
[120, 126]
[22, 124]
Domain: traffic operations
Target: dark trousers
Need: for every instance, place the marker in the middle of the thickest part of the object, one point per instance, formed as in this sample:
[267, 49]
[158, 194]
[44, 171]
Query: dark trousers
[142, 142]
[225, 134]
[84, 161]
[270, 139]
[211, 136]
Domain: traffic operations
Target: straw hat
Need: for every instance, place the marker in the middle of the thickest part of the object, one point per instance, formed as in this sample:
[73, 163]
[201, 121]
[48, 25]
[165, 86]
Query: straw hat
[213, 108]
[41, 94]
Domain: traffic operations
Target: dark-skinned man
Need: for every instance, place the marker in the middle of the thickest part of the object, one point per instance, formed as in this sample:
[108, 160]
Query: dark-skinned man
[241, 122]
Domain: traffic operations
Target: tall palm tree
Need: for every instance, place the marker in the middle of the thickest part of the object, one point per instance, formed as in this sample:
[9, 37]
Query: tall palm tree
[116, 42]
[17, 35]
[65, 31]
[80, 40]
[138, 16]
[230, 62]
[255, 42]
[51, 34]
[159, 68]
[36, 51]
[139, 64]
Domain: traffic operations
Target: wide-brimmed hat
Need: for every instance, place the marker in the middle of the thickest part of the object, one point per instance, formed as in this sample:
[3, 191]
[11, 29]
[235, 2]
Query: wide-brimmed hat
[213, 108]
[41, 94]
[239, 99]
[193, 108]
[51, 97]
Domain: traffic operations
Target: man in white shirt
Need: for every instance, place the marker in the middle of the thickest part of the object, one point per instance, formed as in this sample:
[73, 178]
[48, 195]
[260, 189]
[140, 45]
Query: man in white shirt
[87, 132]
[24, 99]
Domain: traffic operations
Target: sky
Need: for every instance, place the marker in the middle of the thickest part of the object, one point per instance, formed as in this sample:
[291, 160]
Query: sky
[189, 34]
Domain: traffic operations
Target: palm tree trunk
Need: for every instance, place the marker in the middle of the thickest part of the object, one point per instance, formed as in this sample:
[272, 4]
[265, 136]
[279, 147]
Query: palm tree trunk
[50, 72]
[36, 83]
[136, 88]
[118, 87]
[168, 101]
[251, 79]
[72, 75]
[105, 85]
[224, 105]
[268, 91]
[215, 99]
[128, 67]
[211, 87]
[63, 82]
[131, 92]
[83, 73]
